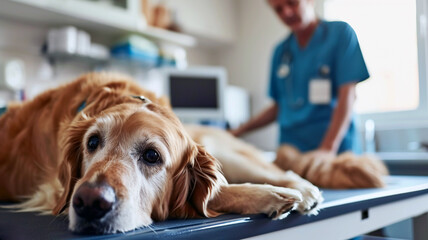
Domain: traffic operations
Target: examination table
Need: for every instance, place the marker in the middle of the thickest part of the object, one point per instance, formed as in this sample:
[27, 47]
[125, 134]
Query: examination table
[344, 214]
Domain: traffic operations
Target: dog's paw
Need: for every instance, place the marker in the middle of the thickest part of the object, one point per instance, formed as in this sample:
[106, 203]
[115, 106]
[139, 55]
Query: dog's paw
[281, 201]
[311, 195]
[247, 198]
[312, 199]
[276, 202]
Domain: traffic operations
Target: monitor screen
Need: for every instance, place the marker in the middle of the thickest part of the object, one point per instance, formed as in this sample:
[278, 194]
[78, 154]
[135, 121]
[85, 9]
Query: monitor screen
[196, 93]
[193, 92]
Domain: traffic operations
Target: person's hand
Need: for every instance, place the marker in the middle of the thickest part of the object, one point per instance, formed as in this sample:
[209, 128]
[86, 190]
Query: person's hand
[235, 132]
[321, 154]
[317, 160]
[327, 148]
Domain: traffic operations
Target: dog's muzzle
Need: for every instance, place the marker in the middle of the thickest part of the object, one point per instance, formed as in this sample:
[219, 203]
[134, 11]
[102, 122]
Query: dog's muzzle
[93, 201]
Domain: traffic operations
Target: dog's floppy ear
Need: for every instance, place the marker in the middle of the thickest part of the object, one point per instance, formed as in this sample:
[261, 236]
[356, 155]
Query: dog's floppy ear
[197, 183]
[71, 160]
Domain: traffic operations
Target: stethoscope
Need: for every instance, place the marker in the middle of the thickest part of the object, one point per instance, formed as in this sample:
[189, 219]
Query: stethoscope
[285, 71]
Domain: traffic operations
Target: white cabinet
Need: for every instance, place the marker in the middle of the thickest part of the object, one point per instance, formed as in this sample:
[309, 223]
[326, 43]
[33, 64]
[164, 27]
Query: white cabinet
[213, 22]
[210, 22]
[89, 15]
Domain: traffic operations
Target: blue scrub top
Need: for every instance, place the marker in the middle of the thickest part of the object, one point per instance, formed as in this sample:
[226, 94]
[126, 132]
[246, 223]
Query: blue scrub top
[334, 45]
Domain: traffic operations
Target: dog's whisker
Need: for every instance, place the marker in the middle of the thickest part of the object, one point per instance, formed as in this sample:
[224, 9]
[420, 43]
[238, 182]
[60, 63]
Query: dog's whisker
[152, 229]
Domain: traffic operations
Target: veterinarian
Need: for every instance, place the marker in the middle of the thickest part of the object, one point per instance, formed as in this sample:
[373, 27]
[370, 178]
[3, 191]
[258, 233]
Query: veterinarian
[313, 76]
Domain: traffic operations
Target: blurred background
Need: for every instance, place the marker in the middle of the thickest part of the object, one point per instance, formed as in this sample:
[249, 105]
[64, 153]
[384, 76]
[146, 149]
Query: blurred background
[223, 48]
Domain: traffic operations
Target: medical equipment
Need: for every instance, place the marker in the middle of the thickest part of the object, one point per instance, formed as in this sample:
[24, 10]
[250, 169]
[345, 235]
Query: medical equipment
[196, 93]
[285, 71]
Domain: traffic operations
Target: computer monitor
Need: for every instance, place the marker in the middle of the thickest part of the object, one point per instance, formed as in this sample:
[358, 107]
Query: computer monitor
[196, 93]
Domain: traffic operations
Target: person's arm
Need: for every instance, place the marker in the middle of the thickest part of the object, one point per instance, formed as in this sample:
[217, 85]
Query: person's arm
[340, 120]
[262, 119]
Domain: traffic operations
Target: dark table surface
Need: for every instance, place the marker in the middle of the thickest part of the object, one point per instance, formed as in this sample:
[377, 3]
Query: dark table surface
[29, 225]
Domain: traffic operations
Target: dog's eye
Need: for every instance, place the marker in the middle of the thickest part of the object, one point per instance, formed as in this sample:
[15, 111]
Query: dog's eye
[150, 156]
[93, 143]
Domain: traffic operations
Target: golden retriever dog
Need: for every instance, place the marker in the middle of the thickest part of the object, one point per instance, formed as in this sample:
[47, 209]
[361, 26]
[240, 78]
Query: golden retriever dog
[115, 158]
[325, 170]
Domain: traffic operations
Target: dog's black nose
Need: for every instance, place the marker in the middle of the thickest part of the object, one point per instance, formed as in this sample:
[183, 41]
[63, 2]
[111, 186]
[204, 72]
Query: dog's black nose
[92, 201]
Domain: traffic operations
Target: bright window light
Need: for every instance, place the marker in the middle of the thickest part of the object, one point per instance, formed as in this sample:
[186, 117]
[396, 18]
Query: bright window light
[387, 32]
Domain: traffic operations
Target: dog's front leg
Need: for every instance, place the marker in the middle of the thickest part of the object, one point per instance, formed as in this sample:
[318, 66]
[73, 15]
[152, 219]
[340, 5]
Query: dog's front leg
[248, 198]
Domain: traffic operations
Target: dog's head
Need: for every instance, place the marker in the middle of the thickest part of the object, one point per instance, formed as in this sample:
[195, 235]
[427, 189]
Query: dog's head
[130, 164]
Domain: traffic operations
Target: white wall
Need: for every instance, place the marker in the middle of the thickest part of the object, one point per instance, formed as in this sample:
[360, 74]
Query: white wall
[209, 20]
[248, 60]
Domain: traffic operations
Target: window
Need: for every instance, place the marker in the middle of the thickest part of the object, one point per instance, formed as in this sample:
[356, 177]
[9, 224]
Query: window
[392, 37]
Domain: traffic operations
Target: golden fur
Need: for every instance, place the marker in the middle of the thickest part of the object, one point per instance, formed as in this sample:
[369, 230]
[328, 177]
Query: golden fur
[244, 163]
[47, 160]
[344, 171]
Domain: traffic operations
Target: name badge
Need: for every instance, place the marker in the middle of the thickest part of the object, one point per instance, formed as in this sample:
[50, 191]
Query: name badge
[320, 91]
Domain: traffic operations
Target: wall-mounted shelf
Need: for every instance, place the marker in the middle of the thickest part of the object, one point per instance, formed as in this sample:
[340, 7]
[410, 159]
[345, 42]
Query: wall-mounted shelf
[100, 63]
[90, 16]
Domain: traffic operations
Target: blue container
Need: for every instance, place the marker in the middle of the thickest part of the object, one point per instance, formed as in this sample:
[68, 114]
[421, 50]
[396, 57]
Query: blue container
[128, 52]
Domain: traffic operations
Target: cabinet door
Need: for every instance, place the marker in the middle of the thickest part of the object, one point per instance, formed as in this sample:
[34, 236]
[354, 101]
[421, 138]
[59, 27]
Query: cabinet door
[213, 20]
